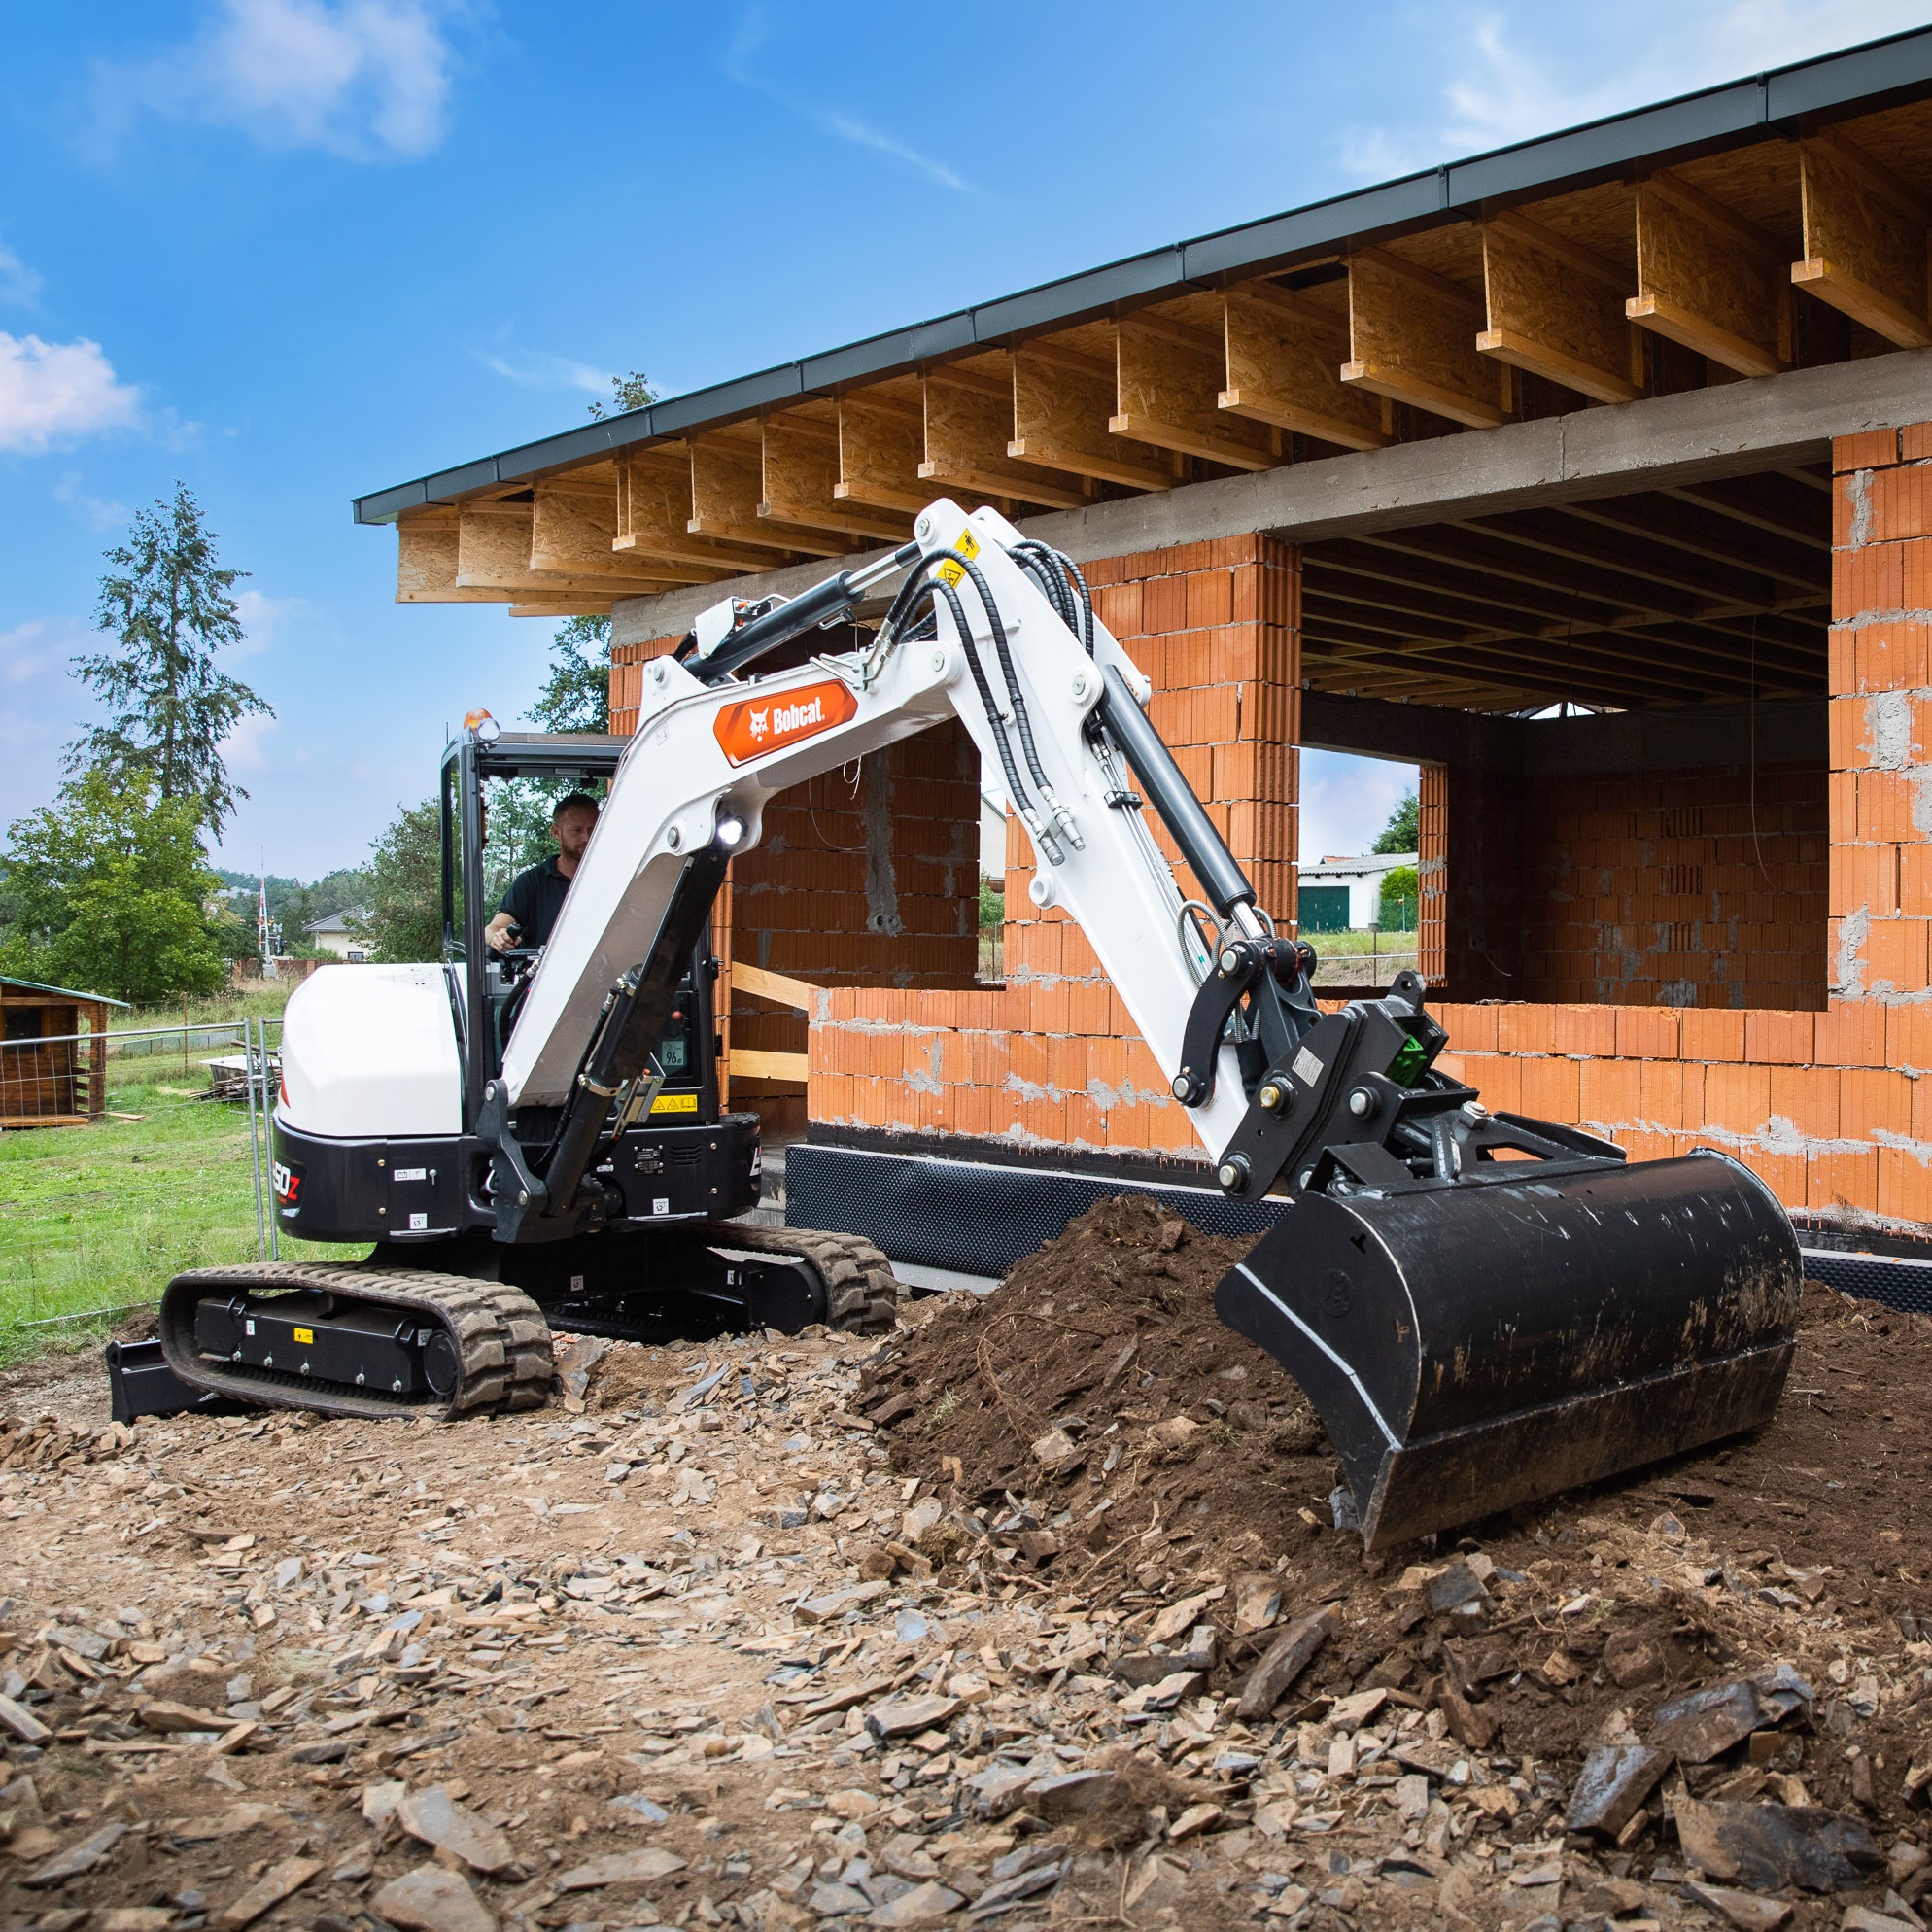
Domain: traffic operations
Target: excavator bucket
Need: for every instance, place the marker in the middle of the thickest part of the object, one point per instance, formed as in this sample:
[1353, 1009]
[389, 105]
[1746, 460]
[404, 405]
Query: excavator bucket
[1521, 1333]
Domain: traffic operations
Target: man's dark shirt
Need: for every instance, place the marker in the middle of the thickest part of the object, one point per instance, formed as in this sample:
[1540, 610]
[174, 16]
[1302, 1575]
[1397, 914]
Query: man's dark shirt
[533, 899]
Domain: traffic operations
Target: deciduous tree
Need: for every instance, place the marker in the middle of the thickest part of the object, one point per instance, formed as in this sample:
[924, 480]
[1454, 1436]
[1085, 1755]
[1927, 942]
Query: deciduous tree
[107, 890]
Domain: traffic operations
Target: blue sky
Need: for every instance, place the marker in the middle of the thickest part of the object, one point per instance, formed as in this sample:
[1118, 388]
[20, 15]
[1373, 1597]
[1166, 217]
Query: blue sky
[289, 250]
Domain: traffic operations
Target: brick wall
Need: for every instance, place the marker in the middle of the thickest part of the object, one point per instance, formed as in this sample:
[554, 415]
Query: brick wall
[1676, 889]
[1833, 1107]
[1052, 1056]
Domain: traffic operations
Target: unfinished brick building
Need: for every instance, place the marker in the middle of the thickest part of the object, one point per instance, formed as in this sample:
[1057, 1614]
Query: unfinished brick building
[1635, 420]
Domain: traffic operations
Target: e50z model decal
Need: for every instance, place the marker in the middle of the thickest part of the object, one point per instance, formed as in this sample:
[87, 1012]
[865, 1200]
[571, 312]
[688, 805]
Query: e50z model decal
[754, 726]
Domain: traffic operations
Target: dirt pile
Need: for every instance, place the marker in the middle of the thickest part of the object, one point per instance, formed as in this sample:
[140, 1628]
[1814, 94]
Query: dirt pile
[1092, 1429]
[1097, 1376]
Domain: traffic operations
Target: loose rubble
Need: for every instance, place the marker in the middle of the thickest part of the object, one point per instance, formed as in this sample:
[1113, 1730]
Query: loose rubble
[771, 1634]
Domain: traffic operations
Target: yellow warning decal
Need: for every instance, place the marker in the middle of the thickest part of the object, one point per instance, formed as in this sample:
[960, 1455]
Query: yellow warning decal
[951, 571]
[305, 1334]
[675, 1103]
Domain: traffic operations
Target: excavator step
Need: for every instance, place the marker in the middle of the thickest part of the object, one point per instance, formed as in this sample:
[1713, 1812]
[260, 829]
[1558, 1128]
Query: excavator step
[1475, 1346]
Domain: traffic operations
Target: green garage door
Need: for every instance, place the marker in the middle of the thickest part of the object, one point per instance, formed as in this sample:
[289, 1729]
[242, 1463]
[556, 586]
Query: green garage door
[1322, 909]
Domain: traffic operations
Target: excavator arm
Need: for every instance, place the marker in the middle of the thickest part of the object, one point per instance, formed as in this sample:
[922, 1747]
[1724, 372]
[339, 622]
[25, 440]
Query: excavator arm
[1485, 1309]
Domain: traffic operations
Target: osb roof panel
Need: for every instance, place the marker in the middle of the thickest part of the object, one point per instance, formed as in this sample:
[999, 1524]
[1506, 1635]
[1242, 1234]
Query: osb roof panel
[1602, 219]
[1090, 338]
[1760, 184]
[1455, 252]
[1901, 137]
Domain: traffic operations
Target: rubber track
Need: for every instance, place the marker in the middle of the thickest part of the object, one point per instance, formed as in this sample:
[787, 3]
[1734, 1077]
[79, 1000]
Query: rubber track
[862, 1293]
[500, 1333]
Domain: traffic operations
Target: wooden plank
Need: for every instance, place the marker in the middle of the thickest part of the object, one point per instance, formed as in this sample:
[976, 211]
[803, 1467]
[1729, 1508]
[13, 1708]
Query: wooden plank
[493, 552]
[1412, 338]
[727, 495]
[800, 475]
[1062, 402]
[1864, 240]
[582, 606]
[1170, 378]
[1282, 354]
[1557, 310]
[654, 516]
[746, 978]
[426, 560]
[882, 443]
[572, 527]
[753, 1063]
[968, 425]
[1707, 279]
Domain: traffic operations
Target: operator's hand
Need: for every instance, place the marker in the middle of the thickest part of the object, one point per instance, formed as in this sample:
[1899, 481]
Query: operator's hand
[497, 934]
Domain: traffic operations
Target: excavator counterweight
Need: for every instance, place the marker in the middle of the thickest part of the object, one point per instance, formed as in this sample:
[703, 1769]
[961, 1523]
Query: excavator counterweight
[1483, 1308]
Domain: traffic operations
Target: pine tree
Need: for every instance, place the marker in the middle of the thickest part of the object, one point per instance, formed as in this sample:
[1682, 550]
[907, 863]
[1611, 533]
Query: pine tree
[168, 608]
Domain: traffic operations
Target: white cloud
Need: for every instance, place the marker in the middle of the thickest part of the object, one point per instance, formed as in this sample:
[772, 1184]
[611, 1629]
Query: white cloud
[753, 30]
[20, 285]
[23, 652]
[538, 369]
[262, 619]
[1506, 82]
[53, 391]
[100, 512]
[247, 748]
[369, 80]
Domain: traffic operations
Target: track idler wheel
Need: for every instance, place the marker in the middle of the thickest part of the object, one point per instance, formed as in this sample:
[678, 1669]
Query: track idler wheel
[1482, 1344]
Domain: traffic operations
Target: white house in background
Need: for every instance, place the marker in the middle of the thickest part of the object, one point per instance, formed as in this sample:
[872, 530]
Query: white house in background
[332, 935]
[1344, 894]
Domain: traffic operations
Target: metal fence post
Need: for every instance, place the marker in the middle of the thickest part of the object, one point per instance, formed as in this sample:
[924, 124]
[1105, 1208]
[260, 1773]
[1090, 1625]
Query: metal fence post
[253, 1139]
[268, 1146]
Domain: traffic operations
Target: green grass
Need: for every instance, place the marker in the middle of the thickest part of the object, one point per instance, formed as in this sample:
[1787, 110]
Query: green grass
[1360, 959]
[99, 1217]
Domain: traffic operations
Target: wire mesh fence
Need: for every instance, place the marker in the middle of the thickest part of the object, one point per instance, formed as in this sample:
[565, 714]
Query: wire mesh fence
[126, 1156]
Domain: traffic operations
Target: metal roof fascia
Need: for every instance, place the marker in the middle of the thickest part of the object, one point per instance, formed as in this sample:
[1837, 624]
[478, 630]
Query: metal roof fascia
[1904, 61]
[727, 400]
[386, 506]
[893, 354]
[1608, 145]
[572, 446]
[1080, 298]
[1305, 230]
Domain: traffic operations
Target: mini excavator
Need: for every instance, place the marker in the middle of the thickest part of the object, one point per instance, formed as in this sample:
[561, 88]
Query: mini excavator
[1483, 1308]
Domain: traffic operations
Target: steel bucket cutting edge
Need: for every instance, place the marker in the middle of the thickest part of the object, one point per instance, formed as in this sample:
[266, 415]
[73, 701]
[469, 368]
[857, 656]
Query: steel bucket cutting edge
[1481, 1344]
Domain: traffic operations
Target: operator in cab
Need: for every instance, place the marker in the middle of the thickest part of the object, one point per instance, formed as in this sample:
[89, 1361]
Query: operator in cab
[529, 906]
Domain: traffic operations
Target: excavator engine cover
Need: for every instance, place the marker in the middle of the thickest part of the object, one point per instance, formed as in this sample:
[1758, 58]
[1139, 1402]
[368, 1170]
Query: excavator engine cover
[1476, 1344]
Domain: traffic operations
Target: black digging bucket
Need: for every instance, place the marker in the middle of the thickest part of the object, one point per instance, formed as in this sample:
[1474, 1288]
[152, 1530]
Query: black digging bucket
[1474, 1346]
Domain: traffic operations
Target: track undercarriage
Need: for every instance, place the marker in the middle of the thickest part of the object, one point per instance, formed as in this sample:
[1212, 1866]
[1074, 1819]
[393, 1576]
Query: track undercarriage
[461, 1328]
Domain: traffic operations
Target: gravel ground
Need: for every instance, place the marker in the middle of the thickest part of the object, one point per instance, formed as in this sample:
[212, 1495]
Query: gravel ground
[691, 1648]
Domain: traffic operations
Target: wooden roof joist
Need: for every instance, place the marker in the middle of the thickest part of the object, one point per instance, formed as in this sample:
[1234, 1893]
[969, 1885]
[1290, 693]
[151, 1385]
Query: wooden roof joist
[1750, 230]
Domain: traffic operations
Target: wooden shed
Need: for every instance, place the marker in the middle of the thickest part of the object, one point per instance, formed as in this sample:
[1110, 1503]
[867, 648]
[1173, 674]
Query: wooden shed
[53, 1056]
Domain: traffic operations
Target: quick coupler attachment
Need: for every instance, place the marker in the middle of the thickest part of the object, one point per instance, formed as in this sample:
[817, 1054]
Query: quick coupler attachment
[1478, 1345]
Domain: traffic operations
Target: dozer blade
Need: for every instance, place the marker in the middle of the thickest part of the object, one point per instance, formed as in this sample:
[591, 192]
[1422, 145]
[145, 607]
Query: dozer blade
[1483, 1343]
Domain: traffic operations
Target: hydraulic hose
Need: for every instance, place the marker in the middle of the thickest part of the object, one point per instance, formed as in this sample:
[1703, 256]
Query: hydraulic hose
[938, 587]
[1061, 815]
[1064, 572]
